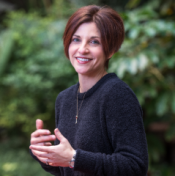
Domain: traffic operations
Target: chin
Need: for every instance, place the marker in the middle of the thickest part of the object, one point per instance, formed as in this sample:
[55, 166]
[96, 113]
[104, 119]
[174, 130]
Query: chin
[82, 71]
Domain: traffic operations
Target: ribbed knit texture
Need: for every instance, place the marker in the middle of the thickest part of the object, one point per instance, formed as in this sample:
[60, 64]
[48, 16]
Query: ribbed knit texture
[109, 136]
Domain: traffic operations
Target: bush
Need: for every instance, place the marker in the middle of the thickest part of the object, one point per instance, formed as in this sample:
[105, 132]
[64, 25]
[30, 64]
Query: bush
[18, 162]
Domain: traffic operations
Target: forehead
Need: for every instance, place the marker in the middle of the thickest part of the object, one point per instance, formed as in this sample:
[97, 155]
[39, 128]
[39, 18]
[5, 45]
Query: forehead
[88, 29]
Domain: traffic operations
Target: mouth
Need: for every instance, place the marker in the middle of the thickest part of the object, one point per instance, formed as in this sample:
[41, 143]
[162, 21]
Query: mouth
[83, 60]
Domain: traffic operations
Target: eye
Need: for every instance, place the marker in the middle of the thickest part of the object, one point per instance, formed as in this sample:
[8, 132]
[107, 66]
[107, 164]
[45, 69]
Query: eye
[94, 42]
[75, 39]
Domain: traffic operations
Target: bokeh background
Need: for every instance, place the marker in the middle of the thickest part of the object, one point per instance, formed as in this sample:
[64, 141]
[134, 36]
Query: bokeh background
[33, 70]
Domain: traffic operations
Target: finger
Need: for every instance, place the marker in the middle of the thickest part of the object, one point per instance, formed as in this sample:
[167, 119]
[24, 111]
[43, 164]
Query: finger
[37, 153]
[47, 149]
[42, 139]
[41, 144]
[46, 161]
[47, 143]
[39, 124]
[44, 144]
[58, 135]
[42, 159]
[44, 155]
[40, 132]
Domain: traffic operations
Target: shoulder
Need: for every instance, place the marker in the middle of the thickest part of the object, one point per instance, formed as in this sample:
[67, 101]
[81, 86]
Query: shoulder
[121, 106]
[116, 94]
[67, 94]
[117, 88]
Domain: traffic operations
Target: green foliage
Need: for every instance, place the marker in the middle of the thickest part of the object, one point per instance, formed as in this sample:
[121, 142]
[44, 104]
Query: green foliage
[54, 8]
[147, 59]
[80, 3]
[39, 71]
[18, 163]
[6, 44]
[162, 170]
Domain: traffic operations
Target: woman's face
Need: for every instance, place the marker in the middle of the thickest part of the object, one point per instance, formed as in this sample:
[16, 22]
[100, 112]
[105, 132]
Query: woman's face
[86, 51]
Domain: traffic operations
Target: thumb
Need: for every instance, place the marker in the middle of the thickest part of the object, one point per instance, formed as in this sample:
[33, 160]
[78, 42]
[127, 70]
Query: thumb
[58, 135]
[39, 124]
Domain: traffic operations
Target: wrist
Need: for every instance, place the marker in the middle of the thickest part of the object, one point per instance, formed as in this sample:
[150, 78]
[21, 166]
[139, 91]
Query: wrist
[72, 161]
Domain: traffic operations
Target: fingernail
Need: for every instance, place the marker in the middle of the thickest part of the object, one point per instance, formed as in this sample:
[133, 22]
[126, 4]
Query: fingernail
[53, 136]
[48, 132]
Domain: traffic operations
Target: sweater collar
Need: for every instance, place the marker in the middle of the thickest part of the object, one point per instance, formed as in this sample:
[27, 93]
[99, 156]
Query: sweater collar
[95, 87]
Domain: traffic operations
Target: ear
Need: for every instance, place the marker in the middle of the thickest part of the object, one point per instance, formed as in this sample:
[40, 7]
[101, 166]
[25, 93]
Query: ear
[110, 55]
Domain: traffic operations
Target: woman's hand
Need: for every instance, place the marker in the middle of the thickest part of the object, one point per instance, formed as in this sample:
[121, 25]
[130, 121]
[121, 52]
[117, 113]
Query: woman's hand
[57, 155]
[41, 137]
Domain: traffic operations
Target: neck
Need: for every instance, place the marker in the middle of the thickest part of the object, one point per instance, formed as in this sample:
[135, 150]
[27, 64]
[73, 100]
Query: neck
[86, 82]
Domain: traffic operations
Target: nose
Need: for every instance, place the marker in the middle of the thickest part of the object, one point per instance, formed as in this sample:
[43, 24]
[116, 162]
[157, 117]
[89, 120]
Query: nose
[83, 48]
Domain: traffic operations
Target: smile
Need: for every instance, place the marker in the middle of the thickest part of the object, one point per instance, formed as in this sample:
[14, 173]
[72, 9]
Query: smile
[82, 59]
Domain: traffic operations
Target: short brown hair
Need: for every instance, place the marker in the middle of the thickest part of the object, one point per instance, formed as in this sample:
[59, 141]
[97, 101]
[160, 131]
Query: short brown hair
[107, 20]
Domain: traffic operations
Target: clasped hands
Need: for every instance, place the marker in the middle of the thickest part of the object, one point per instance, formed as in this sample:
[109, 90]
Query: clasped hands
[41, 147]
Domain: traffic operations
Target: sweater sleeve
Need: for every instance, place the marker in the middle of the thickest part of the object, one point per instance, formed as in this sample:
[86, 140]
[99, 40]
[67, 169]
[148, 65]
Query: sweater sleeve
[124, 124]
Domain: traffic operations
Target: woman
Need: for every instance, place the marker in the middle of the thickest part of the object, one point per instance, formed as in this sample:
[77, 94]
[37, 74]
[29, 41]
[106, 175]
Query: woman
[99, 120]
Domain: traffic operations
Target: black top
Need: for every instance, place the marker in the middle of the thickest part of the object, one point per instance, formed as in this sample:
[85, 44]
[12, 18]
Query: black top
[109, 136]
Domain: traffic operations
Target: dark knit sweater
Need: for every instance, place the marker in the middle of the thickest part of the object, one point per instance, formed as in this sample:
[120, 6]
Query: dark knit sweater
[109, 136]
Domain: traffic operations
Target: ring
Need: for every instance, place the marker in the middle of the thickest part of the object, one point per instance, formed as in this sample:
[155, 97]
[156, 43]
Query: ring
[47, 162]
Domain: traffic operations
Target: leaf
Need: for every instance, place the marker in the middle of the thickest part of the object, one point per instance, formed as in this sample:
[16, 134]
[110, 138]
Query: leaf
[170, 134]
[155, 147]
[151, 32]
[122, 67]
[134, 33]
[6, 45]
[142, 61]
[132, 3]
[162, 104]
[132, 66]
[173, 102]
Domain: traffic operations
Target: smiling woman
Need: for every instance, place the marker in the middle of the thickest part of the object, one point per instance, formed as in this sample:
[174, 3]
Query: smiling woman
[86, 51]
[108, 22]
[99, 128]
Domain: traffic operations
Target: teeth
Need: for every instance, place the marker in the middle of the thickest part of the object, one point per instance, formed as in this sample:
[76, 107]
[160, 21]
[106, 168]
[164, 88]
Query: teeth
[82, 59]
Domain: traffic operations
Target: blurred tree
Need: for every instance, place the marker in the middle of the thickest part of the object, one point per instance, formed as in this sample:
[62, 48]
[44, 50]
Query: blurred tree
[37, 71]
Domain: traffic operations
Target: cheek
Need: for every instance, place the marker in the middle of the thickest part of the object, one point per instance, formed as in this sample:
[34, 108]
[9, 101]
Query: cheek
[100, 55]
[71, 50]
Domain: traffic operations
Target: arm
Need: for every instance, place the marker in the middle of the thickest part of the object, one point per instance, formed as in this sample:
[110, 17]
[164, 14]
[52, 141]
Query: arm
[123, 118]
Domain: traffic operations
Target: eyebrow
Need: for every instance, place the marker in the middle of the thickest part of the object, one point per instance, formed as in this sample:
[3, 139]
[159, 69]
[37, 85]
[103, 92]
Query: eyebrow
[91, 37]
